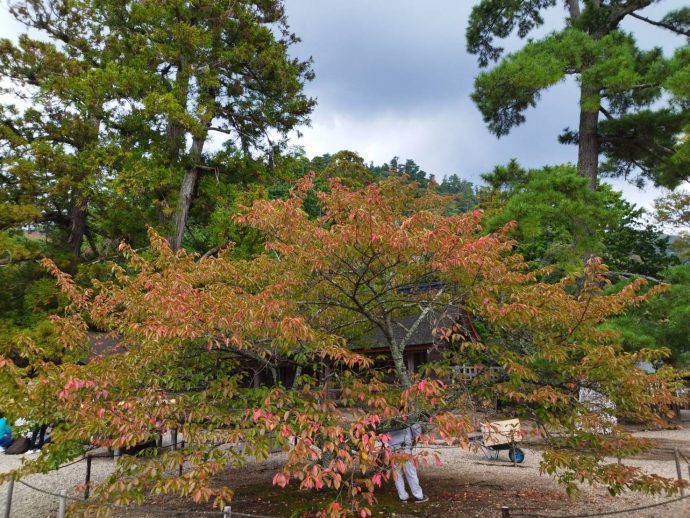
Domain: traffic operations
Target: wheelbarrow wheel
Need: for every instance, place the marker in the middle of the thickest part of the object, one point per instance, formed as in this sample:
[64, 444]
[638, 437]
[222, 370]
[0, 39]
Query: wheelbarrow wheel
[519, 455]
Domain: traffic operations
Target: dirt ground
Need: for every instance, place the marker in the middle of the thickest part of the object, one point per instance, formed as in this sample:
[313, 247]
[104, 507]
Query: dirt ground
[465, 485]
[468, 485]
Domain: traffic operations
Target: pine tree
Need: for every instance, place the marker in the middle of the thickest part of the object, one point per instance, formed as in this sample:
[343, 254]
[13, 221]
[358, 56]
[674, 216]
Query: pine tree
[639, 131]
[56, 152]
[215, 70]
[124, 98]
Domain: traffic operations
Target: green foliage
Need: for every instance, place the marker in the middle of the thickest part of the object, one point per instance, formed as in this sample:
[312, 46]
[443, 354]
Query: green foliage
[663, 321]
[674, 210]
[462, 191]
[12, 215]
[355, 172]
[492, 19]
[222, 229]
[349, 167]
[560, 221]
[634, 245]
[506, 92]
[113, 104]
[641, 94]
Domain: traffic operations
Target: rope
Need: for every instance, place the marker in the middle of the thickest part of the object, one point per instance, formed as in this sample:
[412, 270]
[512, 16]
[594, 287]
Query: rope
[166, 512]
[107, 456]
[103, 456]
[234, 513]
[169, 512]
[69, 464]
[76, 499]
[606, 513]
[143, 509]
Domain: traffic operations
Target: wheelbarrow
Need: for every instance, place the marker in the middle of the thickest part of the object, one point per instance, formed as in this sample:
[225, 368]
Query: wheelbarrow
[496, 436]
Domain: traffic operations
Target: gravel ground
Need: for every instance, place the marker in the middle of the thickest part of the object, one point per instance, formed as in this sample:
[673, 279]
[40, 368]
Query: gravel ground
[28, 503]
[464, 485]
[523, 488]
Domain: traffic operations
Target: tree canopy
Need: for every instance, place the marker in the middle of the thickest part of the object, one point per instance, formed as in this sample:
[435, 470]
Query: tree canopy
[193, 332]
[663, 321]
[641, 94]
[168, 262]
[561, 222]
[125, 97]
[674, 210]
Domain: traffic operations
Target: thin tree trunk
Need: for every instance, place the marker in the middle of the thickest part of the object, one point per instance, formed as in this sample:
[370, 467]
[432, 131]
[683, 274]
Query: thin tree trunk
[175, 132]
[298, 373]
[191, 176]
[78, 214]
[400, 367]
[573, 8]
[588, 152]
[92, 243]
[186, 194]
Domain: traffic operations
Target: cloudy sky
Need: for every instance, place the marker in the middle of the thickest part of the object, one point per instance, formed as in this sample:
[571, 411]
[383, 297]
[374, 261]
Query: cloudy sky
[393, 79]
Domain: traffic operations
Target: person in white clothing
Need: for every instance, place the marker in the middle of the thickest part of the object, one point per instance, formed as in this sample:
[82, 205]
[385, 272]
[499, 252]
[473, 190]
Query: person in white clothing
[403, 441]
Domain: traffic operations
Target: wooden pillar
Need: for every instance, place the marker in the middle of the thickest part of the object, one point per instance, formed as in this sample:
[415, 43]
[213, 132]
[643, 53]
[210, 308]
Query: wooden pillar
[8, 501]
[87, 481]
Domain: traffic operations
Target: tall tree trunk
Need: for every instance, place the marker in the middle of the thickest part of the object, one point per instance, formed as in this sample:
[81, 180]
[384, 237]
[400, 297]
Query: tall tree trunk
[399, 364]
[175, 134]
[588, 152]
[80, 204]
[78, 214]
[189, 180]
[573, 8]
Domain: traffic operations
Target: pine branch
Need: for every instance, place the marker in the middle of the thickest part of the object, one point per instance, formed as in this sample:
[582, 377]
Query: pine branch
[663, 25]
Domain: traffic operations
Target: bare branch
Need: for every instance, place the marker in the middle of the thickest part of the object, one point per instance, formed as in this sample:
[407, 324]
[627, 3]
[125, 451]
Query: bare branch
[662, 24]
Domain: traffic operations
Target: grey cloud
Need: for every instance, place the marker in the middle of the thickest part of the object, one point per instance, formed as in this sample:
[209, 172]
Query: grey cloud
[379, 55]
[393, 78]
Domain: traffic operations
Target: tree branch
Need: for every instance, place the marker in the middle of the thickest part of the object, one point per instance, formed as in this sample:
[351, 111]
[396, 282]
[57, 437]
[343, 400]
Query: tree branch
[663, 25]
[606, 113]
[629, 275]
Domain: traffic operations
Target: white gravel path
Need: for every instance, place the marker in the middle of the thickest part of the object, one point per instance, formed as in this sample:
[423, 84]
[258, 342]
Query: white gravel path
[461, 465]
[471, 469]
[27, 503]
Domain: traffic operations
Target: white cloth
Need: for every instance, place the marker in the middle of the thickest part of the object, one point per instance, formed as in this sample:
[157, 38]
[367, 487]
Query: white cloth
[20, 423]
[403, 441]
[412, 480]
[598, 403]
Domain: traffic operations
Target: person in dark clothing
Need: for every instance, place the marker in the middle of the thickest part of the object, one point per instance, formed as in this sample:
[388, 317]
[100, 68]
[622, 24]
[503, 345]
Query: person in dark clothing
[38, 438]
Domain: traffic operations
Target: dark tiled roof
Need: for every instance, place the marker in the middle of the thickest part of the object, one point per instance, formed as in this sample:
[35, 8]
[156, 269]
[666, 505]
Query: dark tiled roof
[104, 344]
[428, 332]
